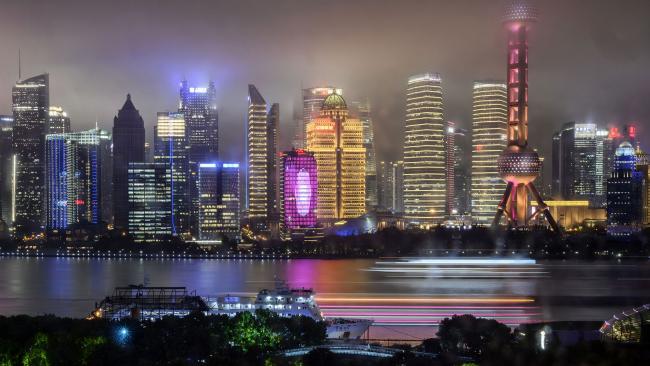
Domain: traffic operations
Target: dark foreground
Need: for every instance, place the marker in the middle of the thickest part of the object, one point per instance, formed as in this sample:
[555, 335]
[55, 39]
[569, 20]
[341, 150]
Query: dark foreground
[259, 339]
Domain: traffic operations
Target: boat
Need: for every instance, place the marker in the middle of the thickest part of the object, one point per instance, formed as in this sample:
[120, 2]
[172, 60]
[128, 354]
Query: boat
[151, 303]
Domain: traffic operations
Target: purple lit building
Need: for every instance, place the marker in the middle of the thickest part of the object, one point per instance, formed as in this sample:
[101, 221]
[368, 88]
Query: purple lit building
[299, 191]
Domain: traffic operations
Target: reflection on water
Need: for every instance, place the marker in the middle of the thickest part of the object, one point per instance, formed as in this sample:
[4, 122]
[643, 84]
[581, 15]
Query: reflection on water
[405, 300]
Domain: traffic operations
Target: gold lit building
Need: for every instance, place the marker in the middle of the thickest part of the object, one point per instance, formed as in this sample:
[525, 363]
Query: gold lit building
[337, 144]
[570, 214]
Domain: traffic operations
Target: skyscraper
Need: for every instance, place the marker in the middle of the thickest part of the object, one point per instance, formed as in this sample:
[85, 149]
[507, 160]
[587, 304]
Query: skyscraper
[361, 111]
[149, 201]
[450, 171]
[170, 148]
[457, 174]
[30, 104]
[519, 165]
[489, 129]
[312, 101]
[128, 147]
[6, 169]
[74, 177]
[390, 185]
[219, 201]
[199, 105]
[57, 121]
[299, 191]
[625, 194]
[424, 152]
[273, 122]
[337, 144]
[257, 144]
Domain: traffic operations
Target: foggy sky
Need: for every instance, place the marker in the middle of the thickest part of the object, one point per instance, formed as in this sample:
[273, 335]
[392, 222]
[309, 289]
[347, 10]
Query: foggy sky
[588, 58]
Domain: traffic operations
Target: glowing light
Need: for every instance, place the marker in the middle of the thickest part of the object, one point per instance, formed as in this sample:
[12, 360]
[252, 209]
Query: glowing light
[438, 300]
[231, 165]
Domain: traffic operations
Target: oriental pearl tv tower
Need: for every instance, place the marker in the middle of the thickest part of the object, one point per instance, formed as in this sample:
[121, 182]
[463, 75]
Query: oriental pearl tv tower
[518, 164]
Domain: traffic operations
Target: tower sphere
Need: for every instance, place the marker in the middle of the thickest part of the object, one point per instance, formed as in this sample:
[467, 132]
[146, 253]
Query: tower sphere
[334, 101]
[520, 11]
[519, 165]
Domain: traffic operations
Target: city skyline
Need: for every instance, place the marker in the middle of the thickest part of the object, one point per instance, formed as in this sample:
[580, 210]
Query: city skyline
[558, 92]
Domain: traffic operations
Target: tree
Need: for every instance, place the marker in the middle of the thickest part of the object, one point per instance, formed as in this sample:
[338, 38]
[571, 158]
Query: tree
[470, 336]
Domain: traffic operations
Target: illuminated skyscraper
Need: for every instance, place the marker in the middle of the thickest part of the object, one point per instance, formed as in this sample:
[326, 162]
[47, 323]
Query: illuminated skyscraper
[625, 194]
[199, 105]
[489, 130]
[391, 185]
[128, 147]
[299, 191]
[337, 144]
[74, 176]
[170, 147]
[31, 103]
[273, 125]
[6, 169]
[218, 203]
[424, 152]
[456, 170]
[361, 111]
[258, 190]
[150, 202]
[58, 121]
[519, 165]
[312, 101]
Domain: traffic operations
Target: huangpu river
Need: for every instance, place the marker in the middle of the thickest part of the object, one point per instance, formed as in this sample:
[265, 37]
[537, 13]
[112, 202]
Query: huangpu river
[405, 298]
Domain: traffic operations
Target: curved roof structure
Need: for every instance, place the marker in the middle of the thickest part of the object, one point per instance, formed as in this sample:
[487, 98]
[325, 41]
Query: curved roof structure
[520, 11]
[334, 101]
[627, 326]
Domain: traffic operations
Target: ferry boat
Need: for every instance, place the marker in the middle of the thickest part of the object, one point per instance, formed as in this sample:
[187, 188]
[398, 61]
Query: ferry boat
[150, 303]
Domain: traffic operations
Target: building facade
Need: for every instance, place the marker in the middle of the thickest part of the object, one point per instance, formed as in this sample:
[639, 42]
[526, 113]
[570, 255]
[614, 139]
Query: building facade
[424, 152]
[625, 194]
[337, 144]
[362, 112]
[391, 186]
[30, 104]
[6, 169]
[58, 121]
[219, 203]
[299, 191]
[489, 129]
[312, 101]
[171, 148]
[128, 147]
[150, 202]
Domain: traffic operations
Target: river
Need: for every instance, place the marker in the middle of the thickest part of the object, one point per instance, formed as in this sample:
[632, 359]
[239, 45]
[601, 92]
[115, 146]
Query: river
[406, 299]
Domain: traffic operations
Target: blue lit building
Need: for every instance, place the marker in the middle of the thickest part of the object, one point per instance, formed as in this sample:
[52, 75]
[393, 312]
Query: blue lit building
[625, 194]
[75, 169]
[150, 202]
[219, 203]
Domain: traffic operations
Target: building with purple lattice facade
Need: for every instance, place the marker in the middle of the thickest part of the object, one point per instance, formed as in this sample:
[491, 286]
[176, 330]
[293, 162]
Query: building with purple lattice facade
[299, 190]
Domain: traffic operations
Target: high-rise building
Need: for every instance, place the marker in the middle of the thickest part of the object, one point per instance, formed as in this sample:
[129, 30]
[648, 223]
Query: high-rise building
[170, 148]
[272, 156]
[150, 201]
[643, 166]
[257, 178]
[390, 186]
[424, 152]
[199, 105]
[6, 169]
[57, 121]
[74, 176]
[337, 144]
[489, 130]
[361, 111]
[299, 192]
[128, 147]
[625, 194]
[219, 201]
[312, 101]
[30, 104]
[456, 169]
[518, 164]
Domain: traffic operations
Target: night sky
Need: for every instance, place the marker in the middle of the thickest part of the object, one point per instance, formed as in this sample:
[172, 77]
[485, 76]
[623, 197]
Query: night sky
[589, 59]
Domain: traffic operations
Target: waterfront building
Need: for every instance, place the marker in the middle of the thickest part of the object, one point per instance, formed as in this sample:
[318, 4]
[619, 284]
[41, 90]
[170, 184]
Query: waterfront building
[199, 105]
[128, 147]
[219, 203]
[298, 192]
[489, 131]
[625, 194]
[150, 202]
[337, 144]
[643, 165]
[424, 152]
[391, 187]
[456, 174]
[74, 176]
[518, 164]
[30, 105]
[6, 169]
[312, 101]
[58, 121]
[572, 214]
[170, 148]
[361, 111]
[262, 145]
